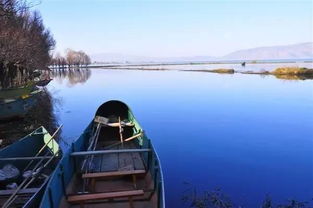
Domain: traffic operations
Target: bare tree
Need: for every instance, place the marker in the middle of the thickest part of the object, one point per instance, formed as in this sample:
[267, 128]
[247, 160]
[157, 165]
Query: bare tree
[25, 43]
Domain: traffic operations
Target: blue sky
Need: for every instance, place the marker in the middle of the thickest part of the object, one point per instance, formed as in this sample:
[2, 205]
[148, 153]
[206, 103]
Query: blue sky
[175, 28]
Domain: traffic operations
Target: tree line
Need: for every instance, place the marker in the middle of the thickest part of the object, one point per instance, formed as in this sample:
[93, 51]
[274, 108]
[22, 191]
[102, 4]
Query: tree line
[25, 43]
[72, 59]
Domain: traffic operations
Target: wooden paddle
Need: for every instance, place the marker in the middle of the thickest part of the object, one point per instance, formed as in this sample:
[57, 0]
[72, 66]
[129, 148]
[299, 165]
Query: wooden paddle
[43, 147]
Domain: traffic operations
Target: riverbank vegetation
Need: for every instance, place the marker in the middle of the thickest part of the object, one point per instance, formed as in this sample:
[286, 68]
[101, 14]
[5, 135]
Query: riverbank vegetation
[25, 43]
[289, 73]
[293, 71]
[72, 59]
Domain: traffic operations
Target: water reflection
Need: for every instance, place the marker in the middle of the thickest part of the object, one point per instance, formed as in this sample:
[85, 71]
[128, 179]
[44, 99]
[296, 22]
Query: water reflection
[41, 114]
[294, 77]
[25, 104]
[72, 76]
[246, 134]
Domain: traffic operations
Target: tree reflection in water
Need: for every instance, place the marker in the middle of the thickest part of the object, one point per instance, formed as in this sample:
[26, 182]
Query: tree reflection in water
[42, 114]
[72, 75]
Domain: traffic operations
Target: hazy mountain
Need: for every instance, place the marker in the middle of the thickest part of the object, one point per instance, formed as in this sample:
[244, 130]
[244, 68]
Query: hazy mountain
[123, 58]
[296, 51]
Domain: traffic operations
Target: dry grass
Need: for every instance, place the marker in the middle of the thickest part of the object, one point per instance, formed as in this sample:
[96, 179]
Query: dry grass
[256, 72]
[293, 71]
[221, 71]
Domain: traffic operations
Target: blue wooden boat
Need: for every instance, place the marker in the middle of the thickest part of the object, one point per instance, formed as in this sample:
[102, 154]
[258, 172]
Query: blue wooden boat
[112, 164]
[25, 168]
[18, 107]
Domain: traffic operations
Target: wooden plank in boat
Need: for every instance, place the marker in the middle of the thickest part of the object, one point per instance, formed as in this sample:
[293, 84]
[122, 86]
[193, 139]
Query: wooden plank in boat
[102, 120]
[113, 173]
[96, 164]
[109, 162]
[137, 161]
[97, 196]
[125, 162]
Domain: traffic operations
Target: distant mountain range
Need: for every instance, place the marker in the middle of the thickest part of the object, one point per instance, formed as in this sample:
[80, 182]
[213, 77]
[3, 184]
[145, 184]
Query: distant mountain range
[296, 51]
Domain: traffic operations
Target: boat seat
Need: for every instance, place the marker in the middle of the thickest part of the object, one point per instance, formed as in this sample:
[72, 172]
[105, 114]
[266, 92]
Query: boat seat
[82, 198]
[22, 191]
[105, 121]
[94, 176]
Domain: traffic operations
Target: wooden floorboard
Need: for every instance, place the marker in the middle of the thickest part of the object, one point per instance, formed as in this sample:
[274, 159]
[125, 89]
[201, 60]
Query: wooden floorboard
[96, 164]
[118, 161]
[125, 162]
[109, 162]
[113, 173]
[137, 161]
[97, 196]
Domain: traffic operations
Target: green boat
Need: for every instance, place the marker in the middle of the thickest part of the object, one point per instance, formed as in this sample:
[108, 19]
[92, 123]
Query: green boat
[25, 168]
[18, 107]
[112, 164]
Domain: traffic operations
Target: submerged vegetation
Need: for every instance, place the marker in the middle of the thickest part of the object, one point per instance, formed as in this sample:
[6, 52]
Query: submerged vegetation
[216, 199]
[25, 43]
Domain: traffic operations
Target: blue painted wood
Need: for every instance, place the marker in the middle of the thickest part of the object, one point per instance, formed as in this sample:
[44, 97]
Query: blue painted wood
[28, 146]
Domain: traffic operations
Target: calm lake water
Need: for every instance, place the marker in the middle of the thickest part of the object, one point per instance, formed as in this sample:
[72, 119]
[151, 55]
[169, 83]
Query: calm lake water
[246, 134]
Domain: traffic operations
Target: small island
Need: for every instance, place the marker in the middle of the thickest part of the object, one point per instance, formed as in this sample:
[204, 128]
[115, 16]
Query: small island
[290, 73]
[220, 71]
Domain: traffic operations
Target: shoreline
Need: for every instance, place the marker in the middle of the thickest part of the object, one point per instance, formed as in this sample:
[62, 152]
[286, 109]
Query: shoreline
[289, 73]
[109, 65]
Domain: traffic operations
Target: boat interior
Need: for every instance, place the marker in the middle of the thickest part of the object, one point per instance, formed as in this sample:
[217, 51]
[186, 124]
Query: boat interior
[23, 176]
[124, 172]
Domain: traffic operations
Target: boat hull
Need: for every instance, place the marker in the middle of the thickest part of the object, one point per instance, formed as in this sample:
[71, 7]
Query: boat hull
[57, 188]
[18, 108]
